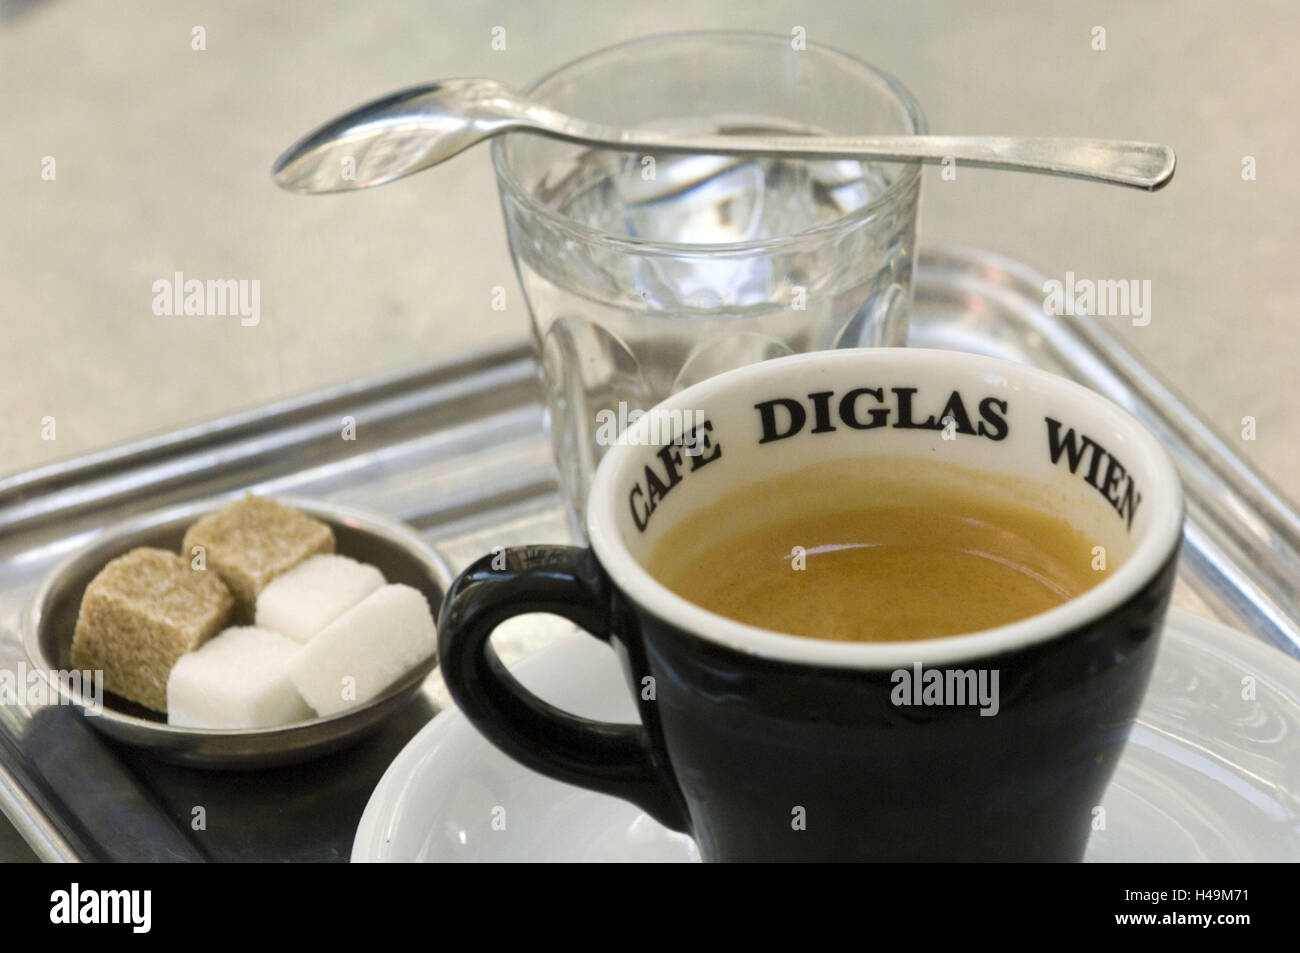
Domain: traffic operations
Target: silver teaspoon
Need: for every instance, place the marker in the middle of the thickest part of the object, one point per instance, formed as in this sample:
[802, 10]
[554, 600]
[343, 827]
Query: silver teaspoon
[419, 127]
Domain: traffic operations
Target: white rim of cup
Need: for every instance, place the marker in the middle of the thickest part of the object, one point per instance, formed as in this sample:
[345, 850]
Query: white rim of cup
[1138, 570]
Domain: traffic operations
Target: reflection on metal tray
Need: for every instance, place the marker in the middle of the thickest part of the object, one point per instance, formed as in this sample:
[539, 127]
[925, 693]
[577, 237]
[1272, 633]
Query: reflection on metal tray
[458, 451]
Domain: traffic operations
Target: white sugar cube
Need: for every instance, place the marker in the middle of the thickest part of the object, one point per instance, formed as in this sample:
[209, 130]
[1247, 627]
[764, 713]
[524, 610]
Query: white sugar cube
[237, 679]
[313, 594]
[365, 650]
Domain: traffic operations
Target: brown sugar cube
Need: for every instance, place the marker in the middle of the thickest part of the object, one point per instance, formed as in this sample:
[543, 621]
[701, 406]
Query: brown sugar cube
[141, 613]
[253, 540]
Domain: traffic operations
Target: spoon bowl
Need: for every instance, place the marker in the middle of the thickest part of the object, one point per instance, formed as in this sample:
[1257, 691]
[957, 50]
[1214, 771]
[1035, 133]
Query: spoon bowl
[397, 135]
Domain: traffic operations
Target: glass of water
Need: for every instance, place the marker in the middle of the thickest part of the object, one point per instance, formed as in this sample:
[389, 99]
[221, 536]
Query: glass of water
[647, 273]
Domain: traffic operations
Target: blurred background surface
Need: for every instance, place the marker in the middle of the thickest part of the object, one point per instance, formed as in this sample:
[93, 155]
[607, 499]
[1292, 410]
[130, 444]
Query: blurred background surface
[161, 154]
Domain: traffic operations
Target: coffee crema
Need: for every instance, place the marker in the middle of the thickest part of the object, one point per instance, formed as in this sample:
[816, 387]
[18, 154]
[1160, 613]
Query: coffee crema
[882, 552]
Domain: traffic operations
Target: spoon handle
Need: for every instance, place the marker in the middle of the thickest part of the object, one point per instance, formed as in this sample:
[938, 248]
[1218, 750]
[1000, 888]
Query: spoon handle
[1143, 165]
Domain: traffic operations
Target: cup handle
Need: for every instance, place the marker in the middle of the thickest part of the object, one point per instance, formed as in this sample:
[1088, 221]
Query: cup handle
[620, 760]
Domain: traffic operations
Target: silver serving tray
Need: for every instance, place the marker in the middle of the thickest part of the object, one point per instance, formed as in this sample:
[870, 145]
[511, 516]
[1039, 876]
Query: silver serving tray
[457, 451]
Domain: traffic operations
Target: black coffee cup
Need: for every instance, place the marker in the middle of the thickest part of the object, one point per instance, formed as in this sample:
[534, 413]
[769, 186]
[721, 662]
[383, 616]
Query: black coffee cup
[765, 746]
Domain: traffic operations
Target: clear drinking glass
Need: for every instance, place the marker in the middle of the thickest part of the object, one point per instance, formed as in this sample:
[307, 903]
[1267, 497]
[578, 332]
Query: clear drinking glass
[645, 274]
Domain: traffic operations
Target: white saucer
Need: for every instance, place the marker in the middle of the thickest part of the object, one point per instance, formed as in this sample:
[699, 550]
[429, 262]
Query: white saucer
[1206, 775]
